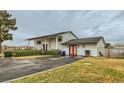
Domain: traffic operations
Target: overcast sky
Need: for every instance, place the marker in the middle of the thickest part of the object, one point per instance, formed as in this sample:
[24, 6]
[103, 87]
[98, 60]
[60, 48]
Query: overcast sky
[109, 24]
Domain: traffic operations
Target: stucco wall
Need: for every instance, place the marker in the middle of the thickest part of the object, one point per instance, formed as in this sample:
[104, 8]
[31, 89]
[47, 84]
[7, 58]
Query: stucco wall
[91, 47]
[81, 49]
[52, 42]
[41, 45]
[66, 49]
[66, 37]
[101, 47]
[94, 48]
[37, 46]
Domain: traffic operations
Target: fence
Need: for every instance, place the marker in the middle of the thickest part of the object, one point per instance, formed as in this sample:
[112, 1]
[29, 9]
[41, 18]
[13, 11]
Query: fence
[112, 52]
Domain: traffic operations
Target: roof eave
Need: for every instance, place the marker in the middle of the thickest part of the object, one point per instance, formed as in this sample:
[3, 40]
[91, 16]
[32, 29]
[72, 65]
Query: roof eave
[78, 43]
[51, 35]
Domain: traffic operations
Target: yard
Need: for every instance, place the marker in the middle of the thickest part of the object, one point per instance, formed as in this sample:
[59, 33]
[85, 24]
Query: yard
[90, 70]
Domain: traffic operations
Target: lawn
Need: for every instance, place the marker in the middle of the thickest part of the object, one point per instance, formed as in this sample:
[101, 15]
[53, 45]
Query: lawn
[90, 70]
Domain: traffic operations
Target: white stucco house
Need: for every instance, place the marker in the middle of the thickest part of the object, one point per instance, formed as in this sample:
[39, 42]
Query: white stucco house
[70, 43]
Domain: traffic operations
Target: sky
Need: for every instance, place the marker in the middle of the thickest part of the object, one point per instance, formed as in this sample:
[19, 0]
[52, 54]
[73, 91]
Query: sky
[85, 23]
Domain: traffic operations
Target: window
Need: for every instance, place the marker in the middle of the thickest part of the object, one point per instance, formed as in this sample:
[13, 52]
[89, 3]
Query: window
[38, 42]
[60, 39]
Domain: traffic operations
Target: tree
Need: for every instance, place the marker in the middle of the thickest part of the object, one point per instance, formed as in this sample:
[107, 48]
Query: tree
[7, 24]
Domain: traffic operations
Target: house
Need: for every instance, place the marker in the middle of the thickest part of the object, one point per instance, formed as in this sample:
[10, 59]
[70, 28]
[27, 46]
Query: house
[71, 44]
[53, 41]
[92, 46]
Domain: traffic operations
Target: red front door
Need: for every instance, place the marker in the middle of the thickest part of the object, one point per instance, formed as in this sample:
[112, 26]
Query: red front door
[73, 50]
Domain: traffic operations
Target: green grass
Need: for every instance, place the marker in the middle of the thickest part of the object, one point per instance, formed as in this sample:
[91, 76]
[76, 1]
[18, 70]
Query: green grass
[88, 70]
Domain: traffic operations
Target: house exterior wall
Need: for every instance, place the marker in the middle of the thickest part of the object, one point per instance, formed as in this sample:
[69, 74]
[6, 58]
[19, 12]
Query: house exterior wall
[94, 48]
[52, 41]
[91, 47]
[101, 47]
[81, 49]
[37, 46]
[66, 49]
[41, 45]
[66, 37]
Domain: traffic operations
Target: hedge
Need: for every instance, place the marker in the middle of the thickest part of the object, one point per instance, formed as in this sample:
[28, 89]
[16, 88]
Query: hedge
[8, 54]
[18, 53]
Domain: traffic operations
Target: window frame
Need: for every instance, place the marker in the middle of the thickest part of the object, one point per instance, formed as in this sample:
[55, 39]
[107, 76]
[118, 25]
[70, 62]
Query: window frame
[38, 42]
[60, 39]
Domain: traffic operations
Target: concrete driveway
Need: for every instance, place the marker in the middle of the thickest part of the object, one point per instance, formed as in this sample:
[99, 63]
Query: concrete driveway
[12, 68]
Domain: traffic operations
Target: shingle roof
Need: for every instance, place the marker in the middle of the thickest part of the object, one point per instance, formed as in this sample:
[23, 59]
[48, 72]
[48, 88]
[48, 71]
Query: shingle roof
[90, 40]
[51, 35]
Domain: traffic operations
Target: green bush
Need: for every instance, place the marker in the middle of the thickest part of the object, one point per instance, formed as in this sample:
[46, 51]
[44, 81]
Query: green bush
[8, 54]
[18, 53]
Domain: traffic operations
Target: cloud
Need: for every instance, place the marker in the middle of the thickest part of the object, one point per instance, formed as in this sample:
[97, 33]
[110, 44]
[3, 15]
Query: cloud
[82, 23]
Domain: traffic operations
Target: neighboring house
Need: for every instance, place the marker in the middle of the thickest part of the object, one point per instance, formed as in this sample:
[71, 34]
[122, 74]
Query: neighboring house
[71, 44]
[7, 48]
[23, 47]
[11, 48]
[119, 45]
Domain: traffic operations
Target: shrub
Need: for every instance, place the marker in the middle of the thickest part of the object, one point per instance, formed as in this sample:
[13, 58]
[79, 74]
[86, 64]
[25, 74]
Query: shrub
[18, 53]
[8, 54]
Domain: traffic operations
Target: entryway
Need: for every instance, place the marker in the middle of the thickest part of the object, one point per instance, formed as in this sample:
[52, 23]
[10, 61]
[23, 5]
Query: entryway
[44, 47]
[73, 50]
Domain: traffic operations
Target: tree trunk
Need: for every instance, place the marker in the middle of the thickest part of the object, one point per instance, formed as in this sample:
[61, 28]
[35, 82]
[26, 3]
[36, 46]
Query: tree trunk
[0, 47]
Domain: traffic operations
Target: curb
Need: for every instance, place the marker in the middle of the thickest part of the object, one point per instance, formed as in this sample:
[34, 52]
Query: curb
[9, 81]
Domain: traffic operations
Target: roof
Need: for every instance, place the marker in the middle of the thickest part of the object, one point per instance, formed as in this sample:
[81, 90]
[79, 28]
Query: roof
[90, 40]
[107, 45]
[52, 35]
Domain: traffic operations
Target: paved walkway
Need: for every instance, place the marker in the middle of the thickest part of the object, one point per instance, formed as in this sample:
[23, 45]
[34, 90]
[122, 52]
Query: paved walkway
[11, 68]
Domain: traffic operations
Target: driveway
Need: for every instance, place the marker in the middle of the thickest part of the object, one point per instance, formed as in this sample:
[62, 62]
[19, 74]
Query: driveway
[13, 68]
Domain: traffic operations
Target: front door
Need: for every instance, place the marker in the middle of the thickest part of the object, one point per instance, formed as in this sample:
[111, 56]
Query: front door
[72, 50]
[43, 46]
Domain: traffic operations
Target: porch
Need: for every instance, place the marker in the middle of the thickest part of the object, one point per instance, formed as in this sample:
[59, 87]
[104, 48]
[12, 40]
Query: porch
[47, 43]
